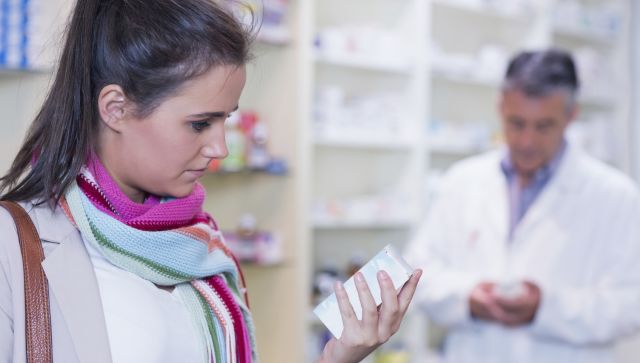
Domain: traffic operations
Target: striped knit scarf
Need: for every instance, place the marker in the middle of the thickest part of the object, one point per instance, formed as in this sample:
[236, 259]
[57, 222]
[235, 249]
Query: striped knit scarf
[170, 242]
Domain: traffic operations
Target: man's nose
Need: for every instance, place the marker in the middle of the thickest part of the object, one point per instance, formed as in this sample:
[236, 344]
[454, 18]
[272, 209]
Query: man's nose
[528, 138]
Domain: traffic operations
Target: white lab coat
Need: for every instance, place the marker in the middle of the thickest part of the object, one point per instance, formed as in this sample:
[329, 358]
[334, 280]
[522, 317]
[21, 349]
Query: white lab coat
[579, 241]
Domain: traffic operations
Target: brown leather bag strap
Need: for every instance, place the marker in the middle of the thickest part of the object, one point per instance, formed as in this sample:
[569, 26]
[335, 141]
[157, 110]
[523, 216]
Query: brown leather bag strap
[36, 288]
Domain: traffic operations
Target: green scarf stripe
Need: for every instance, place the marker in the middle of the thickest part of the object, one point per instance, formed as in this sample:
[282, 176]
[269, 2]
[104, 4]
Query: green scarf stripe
[208, 315]
[233, 283]
[163, 270]
[189, 296]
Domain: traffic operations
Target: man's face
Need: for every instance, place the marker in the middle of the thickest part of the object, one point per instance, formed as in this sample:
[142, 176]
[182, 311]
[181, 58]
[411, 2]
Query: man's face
[534, 127]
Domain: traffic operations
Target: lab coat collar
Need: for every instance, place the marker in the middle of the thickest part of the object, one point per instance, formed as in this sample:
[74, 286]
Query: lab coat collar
[566, 181]
[543, 174]
[568, 178]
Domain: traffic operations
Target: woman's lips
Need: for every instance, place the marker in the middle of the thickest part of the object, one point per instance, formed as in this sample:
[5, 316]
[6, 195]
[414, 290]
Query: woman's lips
[197, 173]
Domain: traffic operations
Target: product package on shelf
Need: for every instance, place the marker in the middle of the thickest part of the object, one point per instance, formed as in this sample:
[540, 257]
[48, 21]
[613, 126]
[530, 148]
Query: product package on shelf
[463, 137]
[247, 140]
[603, 20]
[22, 34]
[373, 116]
[372, 209]
[487, 65]
[506, 7]
[596, 75]
[270, 15]
[380, 48]
[251, 245]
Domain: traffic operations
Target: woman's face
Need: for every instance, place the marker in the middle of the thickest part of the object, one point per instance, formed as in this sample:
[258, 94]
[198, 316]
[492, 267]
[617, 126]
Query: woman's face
[166, 152]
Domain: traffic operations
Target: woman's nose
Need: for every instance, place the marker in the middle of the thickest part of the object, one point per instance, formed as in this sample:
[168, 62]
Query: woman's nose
[216, 146]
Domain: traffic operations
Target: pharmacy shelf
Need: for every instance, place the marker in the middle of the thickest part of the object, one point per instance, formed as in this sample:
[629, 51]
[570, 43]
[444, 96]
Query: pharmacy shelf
[584, 35]
[274, 36]
[456, 150]
[251, 264]
[483, 10]
[24, 71]
[357, 224]
[459, 78]
[364, 143]
[599, 102]
[397, 157]
[364, 63]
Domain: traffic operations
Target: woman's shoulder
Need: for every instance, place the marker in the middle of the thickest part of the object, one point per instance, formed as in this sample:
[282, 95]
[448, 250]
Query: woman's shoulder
[10, 257]
[8, 233]
[51, 223]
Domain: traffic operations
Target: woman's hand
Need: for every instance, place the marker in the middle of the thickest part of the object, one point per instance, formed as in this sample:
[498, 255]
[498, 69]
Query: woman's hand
[361, 337]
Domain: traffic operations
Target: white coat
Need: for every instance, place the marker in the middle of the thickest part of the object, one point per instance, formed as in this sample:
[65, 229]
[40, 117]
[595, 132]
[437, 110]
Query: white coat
[579, 241]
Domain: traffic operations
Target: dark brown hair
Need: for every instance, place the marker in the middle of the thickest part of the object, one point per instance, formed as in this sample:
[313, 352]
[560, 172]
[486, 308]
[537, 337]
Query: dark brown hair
[149, 48]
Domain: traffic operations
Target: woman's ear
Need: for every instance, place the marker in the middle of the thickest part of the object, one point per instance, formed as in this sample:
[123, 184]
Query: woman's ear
[111, 105]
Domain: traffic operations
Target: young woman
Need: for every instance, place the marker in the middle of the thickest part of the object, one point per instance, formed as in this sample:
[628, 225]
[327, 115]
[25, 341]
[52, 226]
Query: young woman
[109, 171]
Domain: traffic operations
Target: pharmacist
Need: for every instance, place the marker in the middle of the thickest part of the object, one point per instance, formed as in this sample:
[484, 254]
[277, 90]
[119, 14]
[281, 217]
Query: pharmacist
[532, 253]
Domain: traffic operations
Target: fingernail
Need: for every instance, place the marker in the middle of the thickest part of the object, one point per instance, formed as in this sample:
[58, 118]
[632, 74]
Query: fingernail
[338, 285]
[383, 275]
[359, 277]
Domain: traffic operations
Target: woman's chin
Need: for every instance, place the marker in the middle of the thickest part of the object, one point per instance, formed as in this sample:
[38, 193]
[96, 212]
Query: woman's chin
[181, 191]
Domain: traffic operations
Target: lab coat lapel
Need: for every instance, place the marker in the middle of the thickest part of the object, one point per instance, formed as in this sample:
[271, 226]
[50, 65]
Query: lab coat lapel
[496, 232]
[73, 286]
[498, 213]
[554, 195]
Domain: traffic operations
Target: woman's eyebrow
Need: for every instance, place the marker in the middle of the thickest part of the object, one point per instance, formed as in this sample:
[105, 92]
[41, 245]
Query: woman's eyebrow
[212, 114]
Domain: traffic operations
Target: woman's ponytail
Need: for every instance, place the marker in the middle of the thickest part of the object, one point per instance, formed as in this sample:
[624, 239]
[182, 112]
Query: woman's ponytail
[63, 131]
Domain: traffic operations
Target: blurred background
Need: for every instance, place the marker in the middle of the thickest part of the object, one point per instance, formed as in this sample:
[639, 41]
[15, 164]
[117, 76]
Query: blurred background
[352, 111]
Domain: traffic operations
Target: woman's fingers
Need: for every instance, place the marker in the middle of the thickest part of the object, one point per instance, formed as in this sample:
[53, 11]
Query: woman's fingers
[406, 294]
[369, 307]
[389, 310]
[346, 309]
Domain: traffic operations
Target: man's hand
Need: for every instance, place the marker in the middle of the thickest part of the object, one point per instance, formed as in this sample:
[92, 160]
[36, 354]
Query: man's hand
[483, 303]
[522, 309]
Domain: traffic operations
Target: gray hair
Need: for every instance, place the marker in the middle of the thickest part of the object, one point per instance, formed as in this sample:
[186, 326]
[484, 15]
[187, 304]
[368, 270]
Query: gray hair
[540, 73]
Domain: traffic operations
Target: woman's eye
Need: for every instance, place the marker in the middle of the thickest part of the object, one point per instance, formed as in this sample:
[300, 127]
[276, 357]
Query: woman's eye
[200, 125]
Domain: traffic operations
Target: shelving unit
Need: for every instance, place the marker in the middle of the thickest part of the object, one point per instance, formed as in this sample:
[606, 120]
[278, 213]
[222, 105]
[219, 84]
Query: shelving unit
[606, 102]
[363, 224]
[367, 147]
[485, 10]
[355, 143]
[363, 62]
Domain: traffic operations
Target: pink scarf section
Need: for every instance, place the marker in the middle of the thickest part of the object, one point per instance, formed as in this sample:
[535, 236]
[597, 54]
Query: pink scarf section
[155, 214]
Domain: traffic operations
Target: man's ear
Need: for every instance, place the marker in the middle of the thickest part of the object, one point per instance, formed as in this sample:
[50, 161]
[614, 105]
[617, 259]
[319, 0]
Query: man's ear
[111, 106]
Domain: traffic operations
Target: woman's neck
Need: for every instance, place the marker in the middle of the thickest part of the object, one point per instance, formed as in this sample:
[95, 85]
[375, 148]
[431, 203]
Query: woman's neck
[136, 195]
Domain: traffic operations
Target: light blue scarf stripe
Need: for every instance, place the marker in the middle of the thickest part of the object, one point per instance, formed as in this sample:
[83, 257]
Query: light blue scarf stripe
[165, 248]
